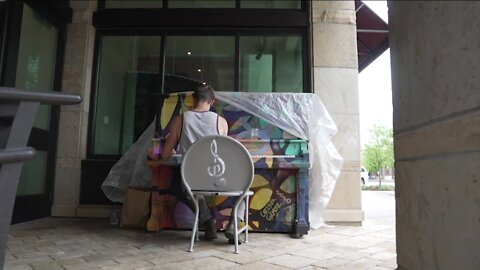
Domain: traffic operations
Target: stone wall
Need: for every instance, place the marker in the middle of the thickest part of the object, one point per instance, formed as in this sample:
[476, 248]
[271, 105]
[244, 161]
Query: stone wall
[335, 77]
[435, 52]
[73, 125]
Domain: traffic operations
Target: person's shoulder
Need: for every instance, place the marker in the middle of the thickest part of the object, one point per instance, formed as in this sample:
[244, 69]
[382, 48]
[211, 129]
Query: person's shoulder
[222, 126]
[213, 114]
[221, 118]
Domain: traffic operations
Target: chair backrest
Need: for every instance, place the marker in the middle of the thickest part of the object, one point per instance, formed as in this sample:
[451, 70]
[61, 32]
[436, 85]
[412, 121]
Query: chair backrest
[217, 163]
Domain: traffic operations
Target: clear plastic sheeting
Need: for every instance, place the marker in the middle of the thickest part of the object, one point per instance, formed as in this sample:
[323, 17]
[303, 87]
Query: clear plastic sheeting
[131, 170]
[302, 115]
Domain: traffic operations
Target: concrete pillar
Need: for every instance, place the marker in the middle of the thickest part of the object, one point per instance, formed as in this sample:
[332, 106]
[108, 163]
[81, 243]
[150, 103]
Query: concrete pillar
[435, 52]
[335, 76]
[73, 126]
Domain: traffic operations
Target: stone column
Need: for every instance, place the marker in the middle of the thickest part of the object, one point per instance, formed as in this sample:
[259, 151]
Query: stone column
[73, 126]
[335, 76]
[435, 52]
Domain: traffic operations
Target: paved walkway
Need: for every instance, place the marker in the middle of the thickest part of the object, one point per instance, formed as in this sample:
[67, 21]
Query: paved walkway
[65, 243]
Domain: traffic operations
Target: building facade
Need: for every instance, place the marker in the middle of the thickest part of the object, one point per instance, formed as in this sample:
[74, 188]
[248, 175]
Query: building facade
[116, 54]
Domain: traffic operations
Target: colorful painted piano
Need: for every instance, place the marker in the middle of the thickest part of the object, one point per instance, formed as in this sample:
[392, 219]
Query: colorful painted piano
[280, 200]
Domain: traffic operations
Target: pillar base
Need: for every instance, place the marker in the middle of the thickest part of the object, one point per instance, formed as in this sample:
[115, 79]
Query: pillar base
[344, 216]
[64, 210]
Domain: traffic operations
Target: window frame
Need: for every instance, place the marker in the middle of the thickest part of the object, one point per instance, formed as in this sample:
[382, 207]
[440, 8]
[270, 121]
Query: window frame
[234, 22]
[303, 5]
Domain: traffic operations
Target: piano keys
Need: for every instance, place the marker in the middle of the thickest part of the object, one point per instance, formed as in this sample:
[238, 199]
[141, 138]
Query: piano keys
[280, 200]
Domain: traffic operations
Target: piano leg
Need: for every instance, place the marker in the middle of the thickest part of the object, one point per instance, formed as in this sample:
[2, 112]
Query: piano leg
[301, 225]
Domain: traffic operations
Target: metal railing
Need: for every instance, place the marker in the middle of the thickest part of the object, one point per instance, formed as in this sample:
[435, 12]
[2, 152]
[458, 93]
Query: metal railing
[18, 110]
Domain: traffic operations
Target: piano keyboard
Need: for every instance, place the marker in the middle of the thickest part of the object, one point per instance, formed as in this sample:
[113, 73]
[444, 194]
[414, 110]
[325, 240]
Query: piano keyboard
[273, 156]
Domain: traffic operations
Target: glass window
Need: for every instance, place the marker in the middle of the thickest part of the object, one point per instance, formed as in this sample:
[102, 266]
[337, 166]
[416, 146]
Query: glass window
[201, 59]
[271, 64]
[33, 177]
[201, 4]
[271, 4]
[133, 4]
[128, 74]
[35, 71]
[36, 60]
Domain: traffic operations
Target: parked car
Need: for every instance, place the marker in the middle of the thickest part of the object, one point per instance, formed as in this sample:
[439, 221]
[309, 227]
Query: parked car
[363, 175]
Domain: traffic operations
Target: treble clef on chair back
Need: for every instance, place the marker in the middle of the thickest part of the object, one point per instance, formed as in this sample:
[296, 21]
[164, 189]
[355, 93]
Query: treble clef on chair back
[217, 163]
[216, 169]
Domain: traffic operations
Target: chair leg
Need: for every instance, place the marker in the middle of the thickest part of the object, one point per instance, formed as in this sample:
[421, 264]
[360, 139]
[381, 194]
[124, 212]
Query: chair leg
[235, 223]
[197, 237]
[246, 218]
[195, 225]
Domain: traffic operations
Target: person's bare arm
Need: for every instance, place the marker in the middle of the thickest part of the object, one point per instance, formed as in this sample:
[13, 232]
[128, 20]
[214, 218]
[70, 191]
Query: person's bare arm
[222, 126]
[172, 138]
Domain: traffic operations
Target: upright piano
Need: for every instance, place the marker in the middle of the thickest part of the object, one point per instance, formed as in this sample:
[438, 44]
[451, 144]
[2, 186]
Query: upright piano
[280, 200]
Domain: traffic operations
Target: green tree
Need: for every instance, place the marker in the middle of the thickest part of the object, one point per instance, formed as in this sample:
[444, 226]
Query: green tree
[378, 153]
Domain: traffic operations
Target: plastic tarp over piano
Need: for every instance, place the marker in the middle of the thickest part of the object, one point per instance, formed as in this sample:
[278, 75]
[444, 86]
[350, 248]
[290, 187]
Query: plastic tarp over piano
[303, 115]
[300, 114]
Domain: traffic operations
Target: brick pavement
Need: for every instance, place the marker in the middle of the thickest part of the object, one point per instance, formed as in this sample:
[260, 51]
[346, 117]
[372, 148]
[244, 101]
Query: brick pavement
[67, 243]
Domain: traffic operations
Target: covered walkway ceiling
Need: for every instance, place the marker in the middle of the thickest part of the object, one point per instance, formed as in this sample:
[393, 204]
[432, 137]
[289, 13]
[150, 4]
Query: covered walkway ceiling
[372, 35]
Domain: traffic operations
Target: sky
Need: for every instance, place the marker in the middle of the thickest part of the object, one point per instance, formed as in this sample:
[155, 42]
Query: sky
[375, 88]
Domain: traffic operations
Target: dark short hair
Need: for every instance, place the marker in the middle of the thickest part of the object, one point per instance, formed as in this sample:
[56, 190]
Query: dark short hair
[204, 93]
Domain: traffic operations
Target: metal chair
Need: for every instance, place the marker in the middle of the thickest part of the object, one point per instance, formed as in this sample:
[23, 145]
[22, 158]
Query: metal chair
[218, 166]
[18, 109]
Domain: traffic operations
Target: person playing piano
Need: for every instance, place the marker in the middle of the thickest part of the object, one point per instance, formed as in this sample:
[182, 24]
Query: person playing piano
[187, 129]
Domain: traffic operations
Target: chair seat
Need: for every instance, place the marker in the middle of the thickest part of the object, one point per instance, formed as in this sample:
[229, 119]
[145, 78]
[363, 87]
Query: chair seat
[221, 193]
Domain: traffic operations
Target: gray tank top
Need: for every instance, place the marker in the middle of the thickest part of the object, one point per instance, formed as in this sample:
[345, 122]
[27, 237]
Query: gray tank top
[196, 125]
